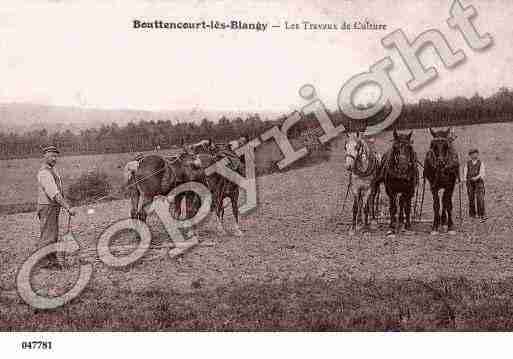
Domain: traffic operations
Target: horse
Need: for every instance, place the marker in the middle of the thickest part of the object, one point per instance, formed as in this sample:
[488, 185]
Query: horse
[156, 175]
[363, 163]
[441, 169]
[398, 171]
[220, 186]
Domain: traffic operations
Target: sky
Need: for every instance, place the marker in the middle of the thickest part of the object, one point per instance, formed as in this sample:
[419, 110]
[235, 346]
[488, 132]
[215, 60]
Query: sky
[86, 53]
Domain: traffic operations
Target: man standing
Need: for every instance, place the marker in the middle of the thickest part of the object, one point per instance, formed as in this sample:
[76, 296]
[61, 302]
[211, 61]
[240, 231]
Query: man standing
[50, 200]
[130, 184]
[473, 174]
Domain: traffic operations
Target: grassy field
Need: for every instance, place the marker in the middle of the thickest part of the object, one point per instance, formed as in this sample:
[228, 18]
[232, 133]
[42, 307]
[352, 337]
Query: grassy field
[342, 304]
[18, 188]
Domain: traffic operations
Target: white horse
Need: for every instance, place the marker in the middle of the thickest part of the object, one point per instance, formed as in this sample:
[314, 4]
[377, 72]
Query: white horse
[363, 163]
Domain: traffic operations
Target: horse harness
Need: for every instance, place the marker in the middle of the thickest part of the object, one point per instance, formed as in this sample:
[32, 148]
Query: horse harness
[389, 165]
[361, 150]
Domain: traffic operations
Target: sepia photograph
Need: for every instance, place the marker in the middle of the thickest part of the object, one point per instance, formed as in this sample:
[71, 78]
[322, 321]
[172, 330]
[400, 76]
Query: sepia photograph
[255, 167]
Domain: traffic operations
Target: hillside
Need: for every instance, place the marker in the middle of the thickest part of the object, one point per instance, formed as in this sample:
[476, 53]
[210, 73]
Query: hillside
[23, 117]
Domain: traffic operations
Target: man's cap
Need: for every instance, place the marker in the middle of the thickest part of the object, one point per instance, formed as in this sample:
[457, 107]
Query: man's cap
[474, 150]
[50, 149]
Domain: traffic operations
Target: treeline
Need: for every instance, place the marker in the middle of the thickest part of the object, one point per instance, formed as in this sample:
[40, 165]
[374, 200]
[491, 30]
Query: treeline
[135, 136]
[148, 135]
[458, 111]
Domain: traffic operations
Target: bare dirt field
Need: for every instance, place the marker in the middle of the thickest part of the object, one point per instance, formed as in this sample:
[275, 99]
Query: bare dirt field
[294, 268]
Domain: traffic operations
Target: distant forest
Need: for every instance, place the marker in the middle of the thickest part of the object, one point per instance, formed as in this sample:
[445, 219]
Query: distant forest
[142, 135]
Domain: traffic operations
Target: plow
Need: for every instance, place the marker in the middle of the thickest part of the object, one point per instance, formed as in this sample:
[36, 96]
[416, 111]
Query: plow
[418, 204]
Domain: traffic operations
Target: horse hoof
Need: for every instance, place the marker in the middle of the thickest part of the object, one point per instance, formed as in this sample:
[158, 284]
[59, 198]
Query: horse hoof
[352, 233]
[452, 232]
[237, 232]
[434, 233]
[391, 234]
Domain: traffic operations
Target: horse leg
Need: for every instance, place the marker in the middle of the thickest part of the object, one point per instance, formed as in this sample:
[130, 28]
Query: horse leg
[190, 212]
[219, 220]
[402, 205]
[218, 205]
[447, 204]
[178, 205]
[436, 212]
[134, 204]
[192, 204]
[234, 199]
[407, 211]
[143, 202]
[352, 231]
[189, 205]
[443, 214]
[367, 205]
[359, 217]
[221, 207]
[393, 210]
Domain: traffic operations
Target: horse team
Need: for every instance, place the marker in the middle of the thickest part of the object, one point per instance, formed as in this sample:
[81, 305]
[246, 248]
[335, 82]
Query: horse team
[155, 175]
[398, 171]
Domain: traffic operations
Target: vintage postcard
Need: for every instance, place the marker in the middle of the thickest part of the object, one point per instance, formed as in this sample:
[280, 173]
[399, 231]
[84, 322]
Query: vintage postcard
[255, 166]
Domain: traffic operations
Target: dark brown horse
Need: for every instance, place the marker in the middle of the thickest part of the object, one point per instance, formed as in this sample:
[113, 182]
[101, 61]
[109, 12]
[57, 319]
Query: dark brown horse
[441, 169]
[156, 175]
[399, 173]
[220, 186]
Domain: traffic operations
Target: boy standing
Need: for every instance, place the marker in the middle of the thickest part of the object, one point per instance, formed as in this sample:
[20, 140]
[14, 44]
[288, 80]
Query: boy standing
[473, 174]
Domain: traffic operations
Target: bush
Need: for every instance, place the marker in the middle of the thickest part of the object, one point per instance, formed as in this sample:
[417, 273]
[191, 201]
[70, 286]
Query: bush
[89, 187]
[13, 208]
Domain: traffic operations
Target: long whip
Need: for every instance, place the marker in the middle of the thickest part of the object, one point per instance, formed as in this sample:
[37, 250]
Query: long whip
[415, 207]
[422, 198]
[459, 193]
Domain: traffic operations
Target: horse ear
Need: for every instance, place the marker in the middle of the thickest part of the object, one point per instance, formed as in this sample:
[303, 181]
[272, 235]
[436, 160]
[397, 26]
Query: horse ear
[432, 132]
[409, 136]
[395, 134]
